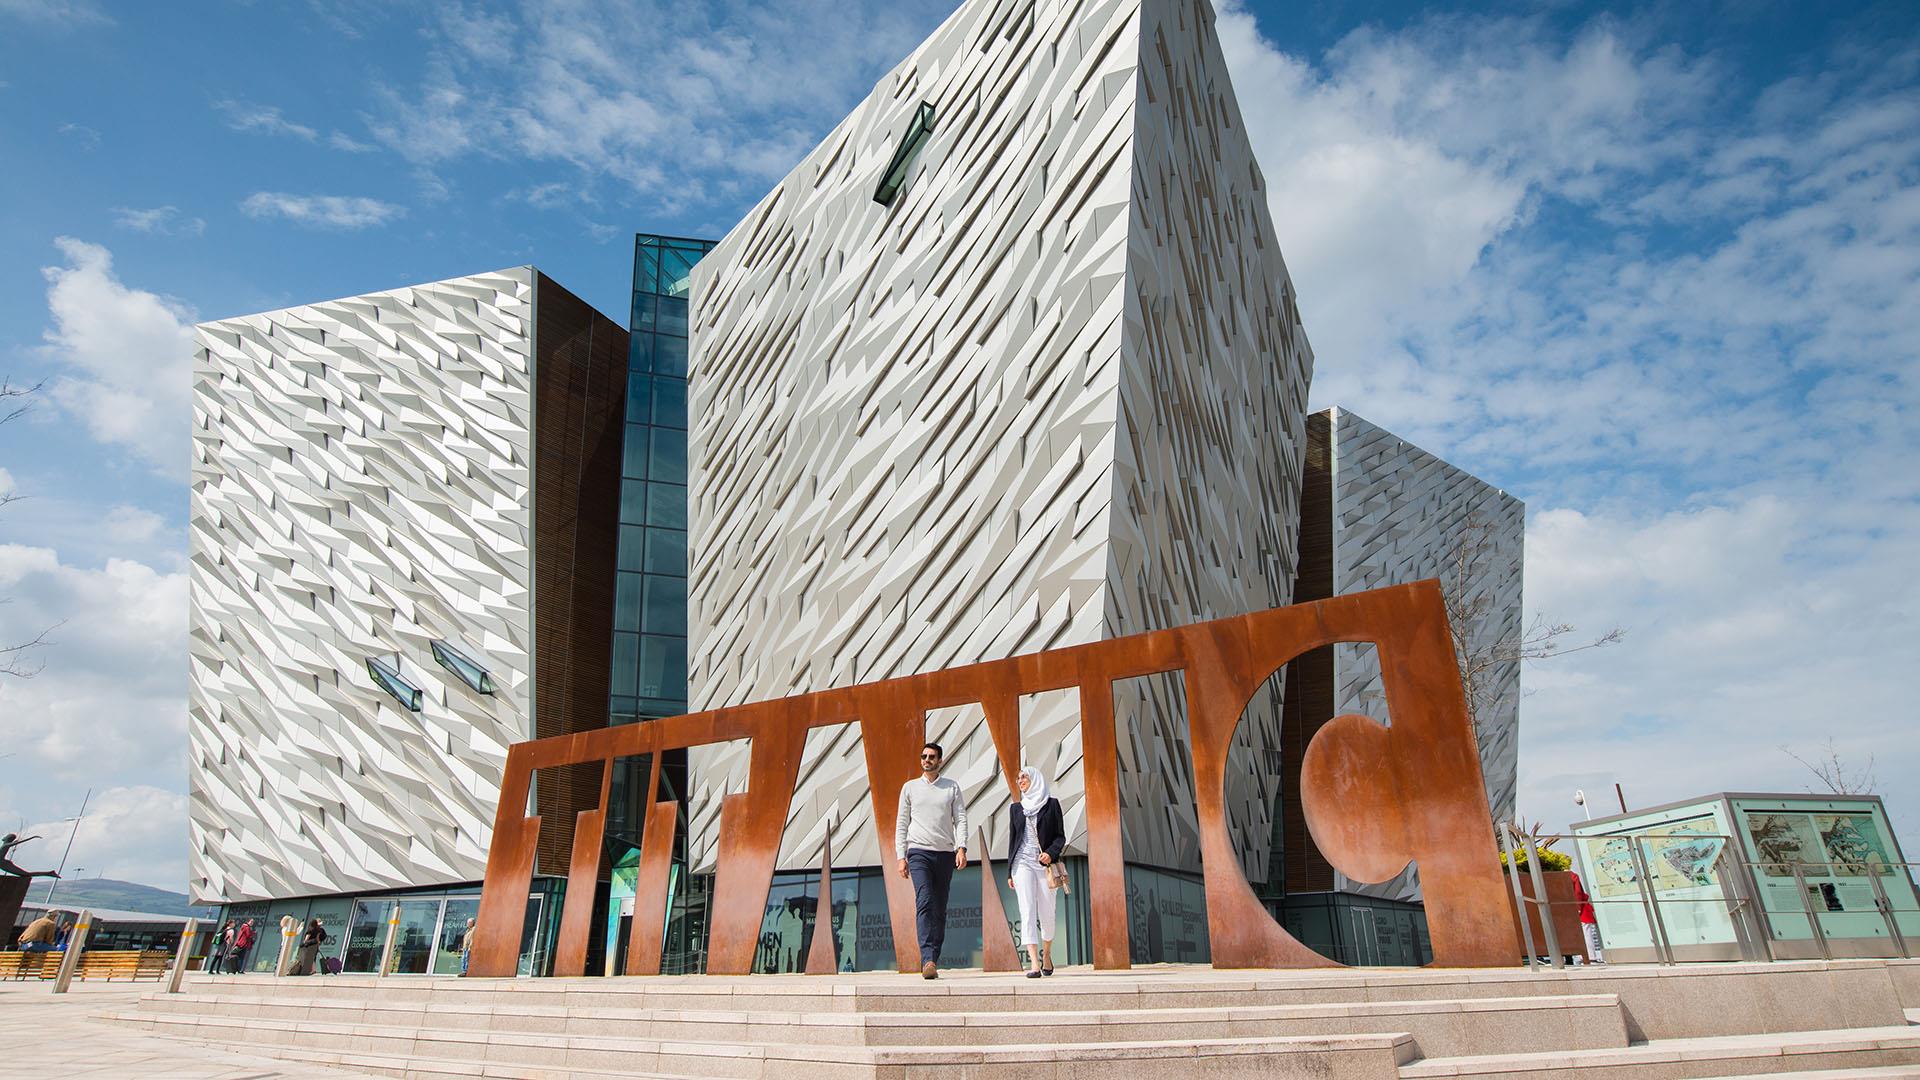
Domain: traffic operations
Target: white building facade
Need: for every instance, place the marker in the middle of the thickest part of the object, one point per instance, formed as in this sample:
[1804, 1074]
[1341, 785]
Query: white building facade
[364, 574]
[1051, 391]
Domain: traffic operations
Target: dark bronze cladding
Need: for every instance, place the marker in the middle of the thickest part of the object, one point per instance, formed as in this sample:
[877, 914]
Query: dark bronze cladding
[1374, 797]
[579, 412]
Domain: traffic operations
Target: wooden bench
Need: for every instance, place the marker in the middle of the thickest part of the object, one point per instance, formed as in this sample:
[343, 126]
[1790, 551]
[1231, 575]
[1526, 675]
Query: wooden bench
[29, 965]
[106, 964]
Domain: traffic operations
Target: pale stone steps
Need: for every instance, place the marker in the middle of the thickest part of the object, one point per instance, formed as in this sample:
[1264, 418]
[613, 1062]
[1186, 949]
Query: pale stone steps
[1439, 1027]
[1865, 1073]
[1843, 1052]
[442, 1052]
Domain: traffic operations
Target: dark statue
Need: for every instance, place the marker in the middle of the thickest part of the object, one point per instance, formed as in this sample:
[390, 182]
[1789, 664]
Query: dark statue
[7, 865]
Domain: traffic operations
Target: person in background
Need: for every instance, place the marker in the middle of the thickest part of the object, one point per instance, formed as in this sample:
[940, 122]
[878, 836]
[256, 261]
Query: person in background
[1036, 834]
[42, 933]
[930, 839]
[1589, 923]
[222, 942]
[466, 946]
[243, 940]
[310, 941]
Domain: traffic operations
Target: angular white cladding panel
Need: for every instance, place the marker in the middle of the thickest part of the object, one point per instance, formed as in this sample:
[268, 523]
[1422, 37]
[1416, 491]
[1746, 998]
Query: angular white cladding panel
[986, 420]
[361, 488]
[1213, 397]
[1401, 514]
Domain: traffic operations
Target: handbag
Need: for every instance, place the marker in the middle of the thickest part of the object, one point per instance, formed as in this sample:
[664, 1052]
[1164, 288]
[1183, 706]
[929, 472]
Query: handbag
[1057, 877]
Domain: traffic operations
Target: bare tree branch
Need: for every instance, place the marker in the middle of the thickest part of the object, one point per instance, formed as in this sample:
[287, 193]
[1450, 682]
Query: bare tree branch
[1834, 773]
[13, 403]
[14, 659]
[1468, 556]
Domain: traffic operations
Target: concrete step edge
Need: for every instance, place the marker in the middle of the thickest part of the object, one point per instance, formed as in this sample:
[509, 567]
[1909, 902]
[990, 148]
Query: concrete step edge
[207, 1027]
[1712, 1047]
[178, 1003]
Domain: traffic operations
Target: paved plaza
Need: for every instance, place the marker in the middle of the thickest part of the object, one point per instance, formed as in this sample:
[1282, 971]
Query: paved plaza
[49, 1036]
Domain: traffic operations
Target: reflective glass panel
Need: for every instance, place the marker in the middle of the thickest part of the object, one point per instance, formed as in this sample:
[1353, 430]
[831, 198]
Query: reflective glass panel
[633, 538]
[453, 926]
[672, 317]
[669, 355]
[413, 937]
[363, 936]
[626, 660]
[667, 505]
[663, 667]
[640, 354]
[675, 266]
[666, 604]
[666, 552]
[670, 402]
[644, 257]
[634, 460]
[626, 603]
[639, 399]
[669, 455]
[643, 306]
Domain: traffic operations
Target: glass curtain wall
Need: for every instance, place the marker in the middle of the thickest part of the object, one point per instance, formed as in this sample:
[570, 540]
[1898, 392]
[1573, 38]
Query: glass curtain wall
[650, 598]
[650, 609]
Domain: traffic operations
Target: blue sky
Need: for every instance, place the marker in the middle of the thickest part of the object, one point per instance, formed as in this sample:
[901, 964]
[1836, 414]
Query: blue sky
[1656, 271]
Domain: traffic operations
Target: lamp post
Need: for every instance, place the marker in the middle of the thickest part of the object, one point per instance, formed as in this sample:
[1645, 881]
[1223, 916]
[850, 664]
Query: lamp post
[54, 881]
[1580, 800]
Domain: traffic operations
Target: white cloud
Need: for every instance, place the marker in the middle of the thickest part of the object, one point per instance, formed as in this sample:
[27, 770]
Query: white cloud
[64, 13]
[125, 354]
[708, 115]
[159, 221]
[107, 710]
[88, 138]
[133, 833]
[131, 525]
[257, 119]
[263, 120]
[1680, 315]
[322, 211]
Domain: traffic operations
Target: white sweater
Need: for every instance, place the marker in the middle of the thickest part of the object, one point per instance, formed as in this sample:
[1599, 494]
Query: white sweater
[933, 817]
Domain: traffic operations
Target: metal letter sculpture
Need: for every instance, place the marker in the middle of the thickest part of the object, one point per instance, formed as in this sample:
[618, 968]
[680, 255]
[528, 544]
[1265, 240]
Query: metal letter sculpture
[1376, 797]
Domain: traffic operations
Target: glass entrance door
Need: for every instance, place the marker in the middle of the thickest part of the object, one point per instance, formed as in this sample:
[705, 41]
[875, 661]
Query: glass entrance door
[413, 937]
[453, 927]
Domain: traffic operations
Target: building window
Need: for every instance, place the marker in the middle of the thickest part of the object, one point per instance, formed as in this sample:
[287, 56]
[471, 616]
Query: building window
[464, 667]
[895, 177]
[387, 677]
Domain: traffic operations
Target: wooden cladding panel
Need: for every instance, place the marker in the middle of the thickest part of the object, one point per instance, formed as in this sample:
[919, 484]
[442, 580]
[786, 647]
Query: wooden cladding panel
[580, 387]
[1309, 693]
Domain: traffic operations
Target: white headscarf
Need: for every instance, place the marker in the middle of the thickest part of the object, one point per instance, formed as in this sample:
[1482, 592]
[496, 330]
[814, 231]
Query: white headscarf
[1035, 797]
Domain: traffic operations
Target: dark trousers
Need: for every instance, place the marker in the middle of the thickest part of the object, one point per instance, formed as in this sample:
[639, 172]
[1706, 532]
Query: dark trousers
[932, 874]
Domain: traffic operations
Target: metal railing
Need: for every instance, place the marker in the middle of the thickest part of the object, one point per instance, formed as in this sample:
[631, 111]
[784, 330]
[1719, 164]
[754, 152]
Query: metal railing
[1755, 927]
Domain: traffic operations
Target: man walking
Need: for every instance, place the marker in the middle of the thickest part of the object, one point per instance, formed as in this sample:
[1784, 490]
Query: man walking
[930, 839]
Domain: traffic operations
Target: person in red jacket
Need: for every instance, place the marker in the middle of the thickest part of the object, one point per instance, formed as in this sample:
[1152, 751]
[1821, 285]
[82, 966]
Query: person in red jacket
[243, 940]
[1589, 924]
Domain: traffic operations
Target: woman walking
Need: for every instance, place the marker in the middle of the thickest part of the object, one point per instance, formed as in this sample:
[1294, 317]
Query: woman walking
[310, 942]
[1035, 838]
[222, 945]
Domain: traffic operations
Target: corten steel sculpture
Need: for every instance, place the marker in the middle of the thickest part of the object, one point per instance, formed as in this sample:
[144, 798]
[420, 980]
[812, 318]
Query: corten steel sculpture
[1375, 797]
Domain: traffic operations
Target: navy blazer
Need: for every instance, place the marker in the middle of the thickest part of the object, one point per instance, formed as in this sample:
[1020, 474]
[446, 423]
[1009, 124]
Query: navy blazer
[1052, 830]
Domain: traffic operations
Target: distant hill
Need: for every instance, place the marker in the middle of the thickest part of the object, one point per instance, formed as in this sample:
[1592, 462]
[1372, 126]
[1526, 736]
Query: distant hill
[117, 895]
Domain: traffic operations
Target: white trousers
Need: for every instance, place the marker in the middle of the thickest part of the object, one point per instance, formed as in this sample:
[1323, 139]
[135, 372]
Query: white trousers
[1036, 904]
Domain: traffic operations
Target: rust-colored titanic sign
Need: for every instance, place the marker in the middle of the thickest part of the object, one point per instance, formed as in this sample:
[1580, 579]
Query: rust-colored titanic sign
[1375, 796]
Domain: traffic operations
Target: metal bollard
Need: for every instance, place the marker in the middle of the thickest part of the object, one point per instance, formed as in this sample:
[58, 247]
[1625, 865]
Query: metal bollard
[289, 928]
[183, 955]
[393, 931]
[76, 944]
